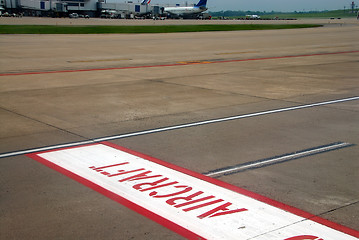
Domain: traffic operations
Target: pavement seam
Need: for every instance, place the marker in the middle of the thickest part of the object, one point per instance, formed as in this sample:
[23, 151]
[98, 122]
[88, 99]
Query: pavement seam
[44, 123]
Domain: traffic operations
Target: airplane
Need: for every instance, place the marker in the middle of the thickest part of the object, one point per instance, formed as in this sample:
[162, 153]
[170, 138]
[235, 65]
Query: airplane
[186, 11]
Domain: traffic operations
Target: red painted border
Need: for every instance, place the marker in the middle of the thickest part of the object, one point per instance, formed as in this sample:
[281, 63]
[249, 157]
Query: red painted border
[177, 64]
[165, 222]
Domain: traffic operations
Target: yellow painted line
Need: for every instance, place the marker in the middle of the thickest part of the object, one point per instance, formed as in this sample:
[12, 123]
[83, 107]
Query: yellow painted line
[194, 62]
[100, 60]
[339, 46]
[229, 53]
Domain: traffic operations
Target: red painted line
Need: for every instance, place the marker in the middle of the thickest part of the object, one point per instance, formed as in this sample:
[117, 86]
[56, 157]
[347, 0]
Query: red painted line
[178, 64]
[169, 224]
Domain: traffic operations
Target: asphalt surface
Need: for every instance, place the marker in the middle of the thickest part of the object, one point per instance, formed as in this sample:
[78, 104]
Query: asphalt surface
[57, 89]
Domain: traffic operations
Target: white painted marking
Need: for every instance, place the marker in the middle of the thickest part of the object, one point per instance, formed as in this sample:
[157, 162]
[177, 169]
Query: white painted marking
[226, 119]
[279, 159]
[96, 140]
[196, 205]
[42, 149]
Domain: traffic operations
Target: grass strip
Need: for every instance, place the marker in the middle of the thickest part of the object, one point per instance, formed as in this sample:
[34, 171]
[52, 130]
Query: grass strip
[290, 15]
[46, 29]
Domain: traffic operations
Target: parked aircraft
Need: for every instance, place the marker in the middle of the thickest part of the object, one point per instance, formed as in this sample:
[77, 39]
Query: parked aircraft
[186, 11]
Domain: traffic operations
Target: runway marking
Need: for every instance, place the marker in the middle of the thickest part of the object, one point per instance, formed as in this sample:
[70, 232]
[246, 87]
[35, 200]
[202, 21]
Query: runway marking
[278, 159]
[176, 127]
[177, 64]
[189, 203]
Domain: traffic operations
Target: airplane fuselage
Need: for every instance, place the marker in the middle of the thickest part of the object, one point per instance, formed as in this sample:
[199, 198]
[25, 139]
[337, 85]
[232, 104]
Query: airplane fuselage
[181, 11]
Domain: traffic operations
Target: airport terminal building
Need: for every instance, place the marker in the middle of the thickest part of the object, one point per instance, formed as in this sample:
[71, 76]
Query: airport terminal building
[92, 8]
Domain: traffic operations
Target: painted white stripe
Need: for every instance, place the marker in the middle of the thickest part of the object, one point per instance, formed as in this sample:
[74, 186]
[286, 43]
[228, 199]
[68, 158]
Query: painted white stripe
[41, 149]
[279, 159]
[226, 119]
[170, 128]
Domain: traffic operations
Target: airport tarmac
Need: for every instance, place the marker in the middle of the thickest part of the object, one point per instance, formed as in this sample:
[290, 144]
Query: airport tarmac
[290, 91]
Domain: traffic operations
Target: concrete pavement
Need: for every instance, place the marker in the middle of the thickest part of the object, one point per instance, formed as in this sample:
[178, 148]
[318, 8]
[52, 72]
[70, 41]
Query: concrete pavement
[178, 78]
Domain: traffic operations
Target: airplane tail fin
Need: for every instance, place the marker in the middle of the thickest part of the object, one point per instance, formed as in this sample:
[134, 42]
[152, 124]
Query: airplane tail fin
[202, 3]
[144, 2]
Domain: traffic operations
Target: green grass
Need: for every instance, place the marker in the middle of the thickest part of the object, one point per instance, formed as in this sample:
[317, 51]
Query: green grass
[327, 14]
[40, 29]
[291, 15]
